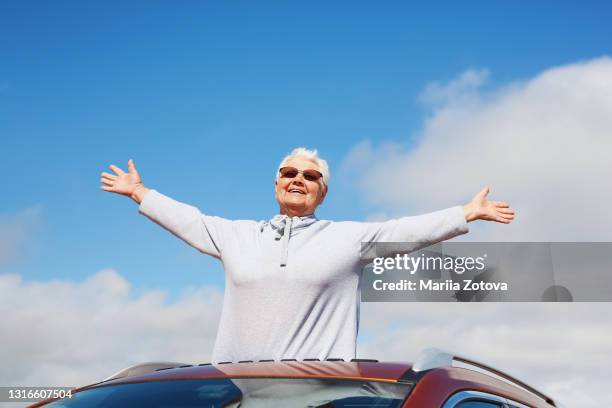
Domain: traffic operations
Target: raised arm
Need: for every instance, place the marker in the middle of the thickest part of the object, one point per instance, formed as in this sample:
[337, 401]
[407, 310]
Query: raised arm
[417, 232]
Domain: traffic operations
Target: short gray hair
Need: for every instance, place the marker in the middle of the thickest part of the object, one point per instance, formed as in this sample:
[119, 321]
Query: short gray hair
[311, 155]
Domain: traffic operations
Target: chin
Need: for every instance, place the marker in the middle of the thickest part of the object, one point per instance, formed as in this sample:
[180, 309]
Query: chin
[295, 201]
[295, 206]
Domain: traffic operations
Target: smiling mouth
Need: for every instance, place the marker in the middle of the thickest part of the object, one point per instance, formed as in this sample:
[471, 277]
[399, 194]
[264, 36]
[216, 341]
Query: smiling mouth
[295, 190]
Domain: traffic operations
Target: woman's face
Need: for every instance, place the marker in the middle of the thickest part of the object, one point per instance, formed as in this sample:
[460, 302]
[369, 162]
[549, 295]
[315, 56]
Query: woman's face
[298, 196]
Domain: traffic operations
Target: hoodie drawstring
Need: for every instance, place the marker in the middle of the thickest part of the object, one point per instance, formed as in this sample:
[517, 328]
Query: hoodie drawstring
[283, 226]
[285, 241]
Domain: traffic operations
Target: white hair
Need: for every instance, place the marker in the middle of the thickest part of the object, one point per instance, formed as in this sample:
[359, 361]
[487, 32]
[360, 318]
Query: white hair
[311, 155]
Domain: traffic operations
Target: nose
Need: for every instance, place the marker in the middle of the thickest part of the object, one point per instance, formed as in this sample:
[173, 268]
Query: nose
[298, 181]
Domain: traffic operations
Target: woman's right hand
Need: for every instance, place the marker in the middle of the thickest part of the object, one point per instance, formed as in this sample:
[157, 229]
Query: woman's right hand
[127, 184]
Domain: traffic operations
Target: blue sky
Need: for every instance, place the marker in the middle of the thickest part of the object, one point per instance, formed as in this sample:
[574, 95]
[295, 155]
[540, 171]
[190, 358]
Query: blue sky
[208, 96]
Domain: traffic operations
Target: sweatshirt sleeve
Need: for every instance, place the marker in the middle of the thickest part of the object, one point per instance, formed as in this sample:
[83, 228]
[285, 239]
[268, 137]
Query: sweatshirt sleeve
[203, 232]
[418, 231]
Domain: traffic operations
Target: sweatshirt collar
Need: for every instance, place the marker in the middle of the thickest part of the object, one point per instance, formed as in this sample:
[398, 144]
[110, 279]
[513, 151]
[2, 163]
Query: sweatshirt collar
[284, 226]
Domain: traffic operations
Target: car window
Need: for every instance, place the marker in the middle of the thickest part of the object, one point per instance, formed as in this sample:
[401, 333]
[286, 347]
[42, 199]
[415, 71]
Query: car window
[244, 393]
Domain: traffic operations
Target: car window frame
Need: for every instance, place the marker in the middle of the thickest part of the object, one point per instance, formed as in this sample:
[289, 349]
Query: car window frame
[473, 395]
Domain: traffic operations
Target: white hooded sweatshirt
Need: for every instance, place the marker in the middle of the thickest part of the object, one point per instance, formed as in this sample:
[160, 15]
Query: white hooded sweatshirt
[292, 284]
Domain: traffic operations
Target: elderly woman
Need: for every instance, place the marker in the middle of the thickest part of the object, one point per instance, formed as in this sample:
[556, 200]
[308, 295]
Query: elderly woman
[291, 283]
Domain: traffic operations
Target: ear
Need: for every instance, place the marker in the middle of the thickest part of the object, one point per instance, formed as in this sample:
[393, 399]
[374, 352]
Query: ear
[324, 194]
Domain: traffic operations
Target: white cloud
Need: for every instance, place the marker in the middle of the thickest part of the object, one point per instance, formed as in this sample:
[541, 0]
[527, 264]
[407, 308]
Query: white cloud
[14, 230]
[461, 90]
[67, 333]
[542, 144]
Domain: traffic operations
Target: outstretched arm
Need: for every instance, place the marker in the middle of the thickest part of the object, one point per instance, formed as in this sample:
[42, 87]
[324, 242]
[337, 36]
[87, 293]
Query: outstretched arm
[423, 230]
[128, 184]
[482, 209]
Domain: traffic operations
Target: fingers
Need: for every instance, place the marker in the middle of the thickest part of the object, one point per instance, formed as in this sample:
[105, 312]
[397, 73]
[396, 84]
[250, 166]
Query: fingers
[505, 210]
[132, 167]
[504, 218]
[108, 179]
[117, 170]
[106, 188]
[500, 204]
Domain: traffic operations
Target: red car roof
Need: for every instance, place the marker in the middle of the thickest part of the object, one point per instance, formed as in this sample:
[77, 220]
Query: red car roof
[289, 369]
[432, 388]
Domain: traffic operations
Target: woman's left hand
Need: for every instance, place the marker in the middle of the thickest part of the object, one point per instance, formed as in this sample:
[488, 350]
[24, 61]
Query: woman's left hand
[482, 209]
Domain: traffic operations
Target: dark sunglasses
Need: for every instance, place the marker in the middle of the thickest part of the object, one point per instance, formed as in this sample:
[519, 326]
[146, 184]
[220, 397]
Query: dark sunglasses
[292, 172]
